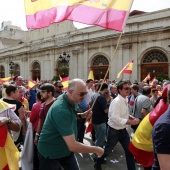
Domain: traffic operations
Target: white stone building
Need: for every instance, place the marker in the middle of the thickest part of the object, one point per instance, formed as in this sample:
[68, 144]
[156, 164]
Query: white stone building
[146, 40]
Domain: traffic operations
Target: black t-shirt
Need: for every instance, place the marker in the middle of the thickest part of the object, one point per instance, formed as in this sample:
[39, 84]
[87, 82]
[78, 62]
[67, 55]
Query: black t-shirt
[14, 102]
[161, 137]
[99, 116]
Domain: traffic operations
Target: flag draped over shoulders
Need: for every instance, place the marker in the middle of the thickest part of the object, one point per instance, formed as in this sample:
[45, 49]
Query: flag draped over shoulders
[141, 145]
[9, 154]
[110, 14]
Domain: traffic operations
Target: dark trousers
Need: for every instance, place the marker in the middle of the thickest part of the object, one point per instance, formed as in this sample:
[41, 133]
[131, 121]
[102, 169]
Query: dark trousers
[81, 129]
[35, 159]
[68, 163]
[113, 137]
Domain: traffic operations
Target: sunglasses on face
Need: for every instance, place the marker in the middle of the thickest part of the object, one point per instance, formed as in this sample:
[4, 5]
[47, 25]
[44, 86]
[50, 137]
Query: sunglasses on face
[127, 88]
[82, 93]
[60, 87]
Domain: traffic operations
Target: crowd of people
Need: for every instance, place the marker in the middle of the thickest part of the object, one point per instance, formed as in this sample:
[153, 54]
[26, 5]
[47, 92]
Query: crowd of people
[59, 118]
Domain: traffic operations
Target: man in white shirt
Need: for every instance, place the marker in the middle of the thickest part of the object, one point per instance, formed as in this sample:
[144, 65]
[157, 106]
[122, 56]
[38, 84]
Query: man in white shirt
[89, 84]
[119, 118]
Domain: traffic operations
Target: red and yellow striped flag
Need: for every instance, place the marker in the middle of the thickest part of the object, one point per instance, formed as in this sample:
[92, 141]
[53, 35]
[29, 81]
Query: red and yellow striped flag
[65, 82]
[9, 154]
[31, 84]
[127, 69]
[3, 80]
[147, 78]
[110, 14]
[91, 76]
[141, 145]
[151, 82]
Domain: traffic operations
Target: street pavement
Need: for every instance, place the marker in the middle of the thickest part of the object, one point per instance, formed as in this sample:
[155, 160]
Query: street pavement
[115, 161]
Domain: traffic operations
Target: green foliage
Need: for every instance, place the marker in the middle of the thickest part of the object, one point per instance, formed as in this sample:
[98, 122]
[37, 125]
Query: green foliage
[64, 68]
[162, 77]
[55, 78]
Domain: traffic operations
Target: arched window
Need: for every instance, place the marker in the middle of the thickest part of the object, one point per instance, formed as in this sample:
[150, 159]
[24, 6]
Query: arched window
[100, 60]
[154, 62]
[17, 69]
[36, 66]
[155, 56]
[2, 72]
[100, 65]
[36, 70]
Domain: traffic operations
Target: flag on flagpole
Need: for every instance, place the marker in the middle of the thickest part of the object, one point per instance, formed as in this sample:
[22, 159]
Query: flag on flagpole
[111, 14]
[141, 145]
[91, 76]
[8, 151]
[31, 84]
[147, 78]
[127, 69]
[65, 82]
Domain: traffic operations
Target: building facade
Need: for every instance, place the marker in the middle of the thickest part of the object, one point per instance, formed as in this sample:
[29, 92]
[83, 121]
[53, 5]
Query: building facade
[37, 53]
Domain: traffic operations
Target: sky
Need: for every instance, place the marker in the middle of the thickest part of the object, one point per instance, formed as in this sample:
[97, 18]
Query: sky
[13, 10]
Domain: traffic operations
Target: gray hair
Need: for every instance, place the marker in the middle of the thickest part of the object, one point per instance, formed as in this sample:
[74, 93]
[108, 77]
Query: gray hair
[74, 82]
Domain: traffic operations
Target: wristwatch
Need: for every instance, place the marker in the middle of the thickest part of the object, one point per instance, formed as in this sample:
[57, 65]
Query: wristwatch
[9, 121]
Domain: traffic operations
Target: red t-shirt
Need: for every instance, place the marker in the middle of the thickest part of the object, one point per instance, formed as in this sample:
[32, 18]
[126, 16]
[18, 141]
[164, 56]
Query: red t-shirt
[34, 116]
[43, 111]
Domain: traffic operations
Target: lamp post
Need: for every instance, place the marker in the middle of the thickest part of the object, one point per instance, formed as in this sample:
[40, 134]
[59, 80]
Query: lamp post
[11, 68]
[64, 60]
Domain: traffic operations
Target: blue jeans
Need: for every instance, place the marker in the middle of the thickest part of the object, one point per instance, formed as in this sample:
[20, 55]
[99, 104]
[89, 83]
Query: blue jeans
[100, 130]
[113, 137]
[68, 163]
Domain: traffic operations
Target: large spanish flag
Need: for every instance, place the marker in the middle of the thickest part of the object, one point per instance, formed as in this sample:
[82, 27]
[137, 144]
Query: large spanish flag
[127, 69]
[9, 154]
[110, 14]
[141, 145]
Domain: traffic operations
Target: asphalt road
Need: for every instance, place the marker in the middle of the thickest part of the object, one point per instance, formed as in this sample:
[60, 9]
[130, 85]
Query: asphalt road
[115, 161]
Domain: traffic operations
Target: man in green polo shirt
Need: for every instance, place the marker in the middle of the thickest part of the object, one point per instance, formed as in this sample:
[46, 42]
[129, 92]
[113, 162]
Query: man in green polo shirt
[57, 142]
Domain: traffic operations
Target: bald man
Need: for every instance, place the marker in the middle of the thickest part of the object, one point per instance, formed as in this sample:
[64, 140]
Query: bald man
[57, 142]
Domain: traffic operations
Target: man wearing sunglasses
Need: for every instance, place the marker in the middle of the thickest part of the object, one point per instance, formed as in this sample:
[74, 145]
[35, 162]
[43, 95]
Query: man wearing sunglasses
[58, 88]
[58, 139]
[119, 118]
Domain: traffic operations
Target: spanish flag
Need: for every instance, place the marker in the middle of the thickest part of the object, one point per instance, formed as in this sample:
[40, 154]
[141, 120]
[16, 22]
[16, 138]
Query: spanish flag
[147, 78]
[141, 145]
[127, 69]
[31, 84]
[65, 82]
[151, 82]
[91, 76]
[3, 80]
[9, 154]
[110, 14]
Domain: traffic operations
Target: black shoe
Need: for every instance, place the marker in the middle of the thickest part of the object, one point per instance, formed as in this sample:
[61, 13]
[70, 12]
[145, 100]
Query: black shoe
[97, 166]
[103, 162]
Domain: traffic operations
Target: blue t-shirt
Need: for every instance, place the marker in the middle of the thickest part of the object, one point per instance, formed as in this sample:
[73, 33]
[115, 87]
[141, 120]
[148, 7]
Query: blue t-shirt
[161, 137]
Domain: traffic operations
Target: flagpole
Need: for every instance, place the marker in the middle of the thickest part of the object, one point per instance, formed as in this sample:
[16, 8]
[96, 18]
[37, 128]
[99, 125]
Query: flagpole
[118, 42]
